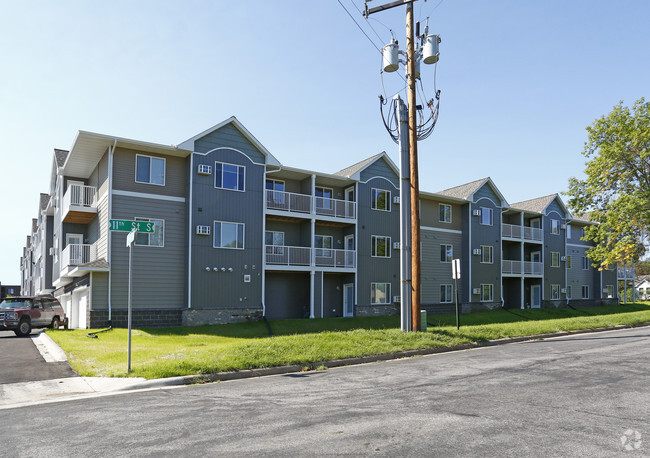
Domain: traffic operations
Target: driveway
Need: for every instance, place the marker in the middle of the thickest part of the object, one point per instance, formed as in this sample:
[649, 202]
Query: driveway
[20, 361]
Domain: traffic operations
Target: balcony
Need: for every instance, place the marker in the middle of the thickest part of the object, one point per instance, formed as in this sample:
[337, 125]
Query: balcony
[295, 256]
[76, 254]
[625, 273]
[521, 267]
[79, 204]
[281, 202]
[513, 231]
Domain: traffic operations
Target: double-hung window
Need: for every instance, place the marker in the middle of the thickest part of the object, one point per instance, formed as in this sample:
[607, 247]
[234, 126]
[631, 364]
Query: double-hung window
[323, 245]
[568, 292]
[380, 293]
[555, 259]
[149, 170]
[555, 226]
[487, 293]
[585, 291]
[445, 213]
[229, 176]
[380, 246]
[228, 235]
[487, 254]
[486, 216]
[585, 263]
[446, 253]
[380, 199]
[568, 262]
[155, 238]
[555, 292]
[446, 293]
[568, 231]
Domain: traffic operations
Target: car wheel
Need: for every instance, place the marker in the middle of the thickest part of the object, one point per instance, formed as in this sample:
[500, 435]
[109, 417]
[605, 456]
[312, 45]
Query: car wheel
[56, 323]
[24, 328]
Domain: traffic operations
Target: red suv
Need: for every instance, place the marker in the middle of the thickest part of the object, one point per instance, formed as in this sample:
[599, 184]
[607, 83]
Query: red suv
[21, 314]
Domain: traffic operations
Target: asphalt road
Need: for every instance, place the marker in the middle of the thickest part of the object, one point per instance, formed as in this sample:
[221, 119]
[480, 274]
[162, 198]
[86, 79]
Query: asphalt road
[20, 361]
[571, 396]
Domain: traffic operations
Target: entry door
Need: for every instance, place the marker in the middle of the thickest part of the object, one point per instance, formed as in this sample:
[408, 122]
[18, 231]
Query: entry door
[348, 300]
[536, 223]
[349, 251]
[76, 192]
[76, 251]
[349, 207]
[536, 256]
[535, 296]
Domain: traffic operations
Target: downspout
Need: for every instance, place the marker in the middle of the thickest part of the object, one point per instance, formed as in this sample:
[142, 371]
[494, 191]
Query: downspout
[189, 234]
[566, 270]
[111, 152]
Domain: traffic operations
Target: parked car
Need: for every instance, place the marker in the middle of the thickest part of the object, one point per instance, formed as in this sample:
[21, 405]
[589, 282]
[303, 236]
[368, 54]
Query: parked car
[23, 313]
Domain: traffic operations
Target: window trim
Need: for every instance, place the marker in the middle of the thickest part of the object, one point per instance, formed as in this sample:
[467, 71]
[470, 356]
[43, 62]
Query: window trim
[568, 292]
[444, 213]
[330, 249]
[583, 291]
[569, 261]
[452, 253]
[555, 292]
[491, 251]
[388, 296]
[585, 261]
[243, 242]
[491, 285]
[450, 287]
[388, 197]
[555, 226]
[142, 218]
[568, 231]
[238, 168]
[554, 255]
[329, 201]
[609, 295]
[277, 249]
[135, 178]
[491, 211]
[373, 246]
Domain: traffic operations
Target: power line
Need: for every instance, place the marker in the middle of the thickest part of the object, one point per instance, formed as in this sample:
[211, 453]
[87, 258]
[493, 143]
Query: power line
[362, 31]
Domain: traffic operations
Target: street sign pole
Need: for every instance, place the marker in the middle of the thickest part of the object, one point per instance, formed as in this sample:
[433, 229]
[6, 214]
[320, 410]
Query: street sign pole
[129, 243]
[455, 273]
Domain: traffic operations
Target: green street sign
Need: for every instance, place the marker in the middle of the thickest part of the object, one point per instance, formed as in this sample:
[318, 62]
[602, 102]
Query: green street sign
[126, 225]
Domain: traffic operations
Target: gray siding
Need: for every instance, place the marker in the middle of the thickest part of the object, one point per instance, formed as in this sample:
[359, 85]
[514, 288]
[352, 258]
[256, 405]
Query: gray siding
[294, 233]
[287, 295]
[430, 215]
[577, 276]
[486, 192]
[212, 289]
[554, 243]
[99, 290]
[158, 272]
[318, 295]
[333, 295]
[379, 168]
[435, 272]
[124, 174]
[489, 236]
[229, 136]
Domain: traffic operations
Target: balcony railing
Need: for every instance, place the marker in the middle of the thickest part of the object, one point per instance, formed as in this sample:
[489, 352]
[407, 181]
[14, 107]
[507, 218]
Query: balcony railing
[304, 203]
[302, 257]
[79, 204]
[625, 273]
[514, 231]
[76, 254]
[521, 267]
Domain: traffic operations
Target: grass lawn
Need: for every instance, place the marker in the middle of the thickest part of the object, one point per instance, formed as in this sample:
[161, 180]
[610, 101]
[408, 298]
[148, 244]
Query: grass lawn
[167, 352]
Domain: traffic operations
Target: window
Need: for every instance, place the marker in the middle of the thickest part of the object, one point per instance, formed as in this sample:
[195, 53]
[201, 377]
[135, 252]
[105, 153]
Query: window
[324, 198]
[150, 170]
[487, 293]
[568, 292]
[487, 254]
[555, 226]
[555, 259]
[323, 245]
[585, 263]
[585, 291]
[228, 235]
[445, 213]
[274, 240]
[275, 197]
[380, 246]
[155, 238]
[568, 231]
[582, 233]
[229, 176]
[486, 216]
[380, 199]
[610, 291]
[380, 293]
[446, 293]
[568, 262]
[555, 292]
[446, 253]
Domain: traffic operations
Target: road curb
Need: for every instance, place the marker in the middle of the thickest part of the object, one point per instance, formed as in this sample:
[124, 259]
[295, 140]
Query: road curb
[295, 368]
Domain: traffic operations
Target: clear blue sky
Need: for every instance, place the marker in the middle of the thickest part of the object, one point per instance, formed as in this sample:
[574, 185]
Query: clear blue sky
[520, 81]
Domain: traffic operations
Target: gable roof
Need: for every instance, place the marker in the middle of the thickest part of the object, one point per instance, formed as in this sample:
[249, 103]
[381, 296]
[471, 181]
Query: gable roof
[44, 200]
[466, 191]
[270, 159]
[60, 155]
[354, 171]
[539, 204]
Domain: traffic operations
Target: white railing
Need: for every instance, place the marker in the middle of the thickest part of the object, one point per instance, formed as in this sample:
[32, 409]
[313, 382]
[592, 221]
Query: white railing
[302, 256]
[625, 272]
[303, 203]
[335, 207]
[76, 254]
[521, 267]
[511, 231]
[532, 233]
[80, 196]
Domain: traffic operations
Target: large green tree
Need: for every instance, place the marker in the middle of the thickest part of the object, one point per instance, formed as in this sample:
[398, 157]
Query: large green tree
[616, 190]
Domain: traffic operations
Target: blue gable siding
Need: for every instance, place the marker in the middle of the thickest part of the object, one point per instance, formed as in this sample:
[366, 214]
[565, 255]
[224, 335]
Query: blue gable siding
[379, 168]
[486, 191]
[229, 136]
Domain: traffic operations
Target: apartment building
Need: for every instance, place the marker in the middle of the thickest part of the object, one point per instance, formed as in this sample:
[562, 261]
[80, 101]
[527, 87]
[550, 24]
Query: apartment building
[238, 235]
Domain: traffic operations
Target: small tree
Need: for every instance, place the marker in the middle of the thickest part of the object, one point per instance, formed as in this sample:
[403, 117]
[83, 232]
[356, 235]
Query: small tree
[616, 191]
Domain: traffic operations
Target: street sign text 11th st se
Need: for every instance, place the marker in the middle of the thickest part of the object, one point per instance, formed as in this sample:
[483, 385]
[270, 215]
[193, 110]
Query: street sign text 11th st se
[128, 226]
